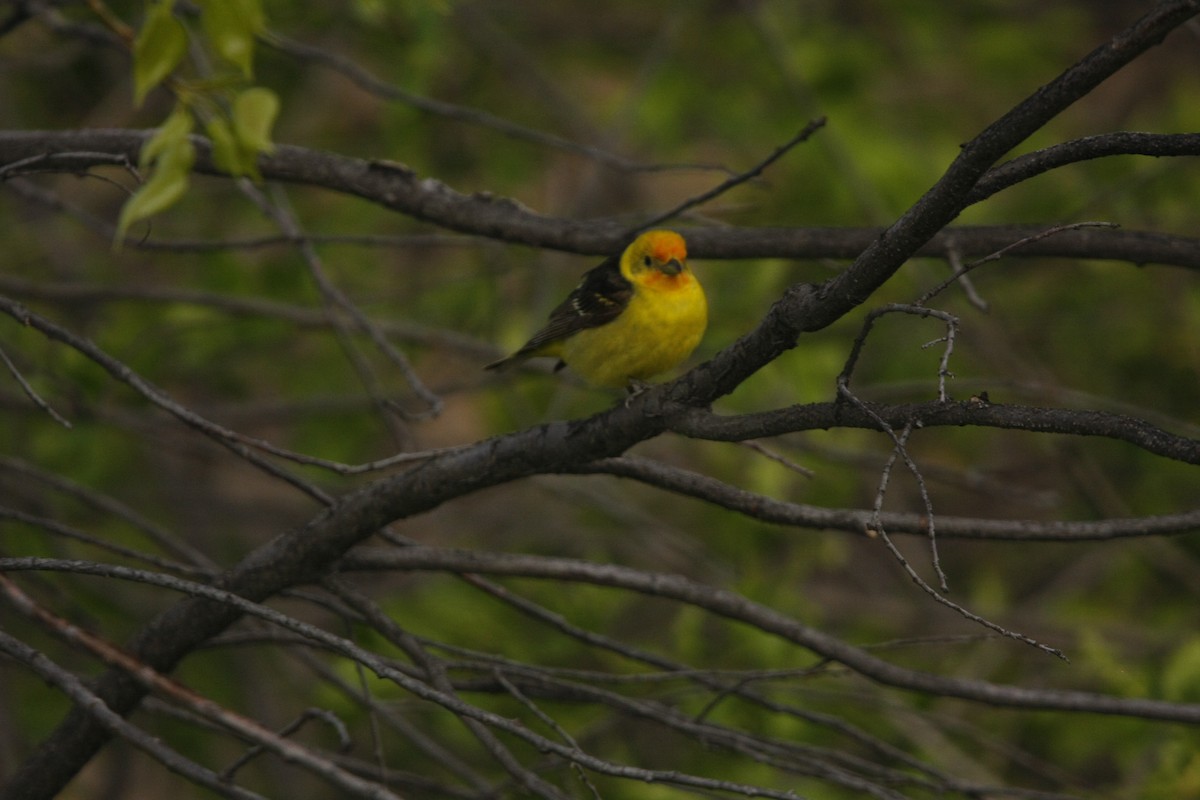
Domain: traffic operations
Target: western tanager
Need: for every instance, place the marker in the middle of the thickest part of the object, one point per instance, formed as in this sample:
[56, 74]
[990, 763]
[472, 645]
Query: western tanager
[630, 318]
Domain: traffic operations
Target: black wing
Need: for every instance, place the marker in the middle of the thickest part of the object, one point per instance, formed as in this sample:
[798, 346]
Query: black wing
[599, 298]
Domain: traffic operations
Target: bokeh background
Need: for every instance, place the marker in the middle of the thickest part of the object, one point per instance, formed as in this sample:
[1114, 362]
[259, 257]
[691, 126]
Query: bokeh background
[231, 326]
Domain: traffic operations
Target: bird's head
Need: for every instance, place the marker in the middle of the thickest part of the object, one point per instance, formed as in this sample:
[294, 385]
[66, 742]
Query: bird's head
[662, 251]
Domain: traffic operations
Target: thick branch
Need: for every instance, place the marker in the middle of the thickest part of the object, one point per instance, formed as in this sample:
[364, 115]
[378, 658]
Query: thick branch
[398, 188]
[1021, 168]
[304, 555]
[77, 690]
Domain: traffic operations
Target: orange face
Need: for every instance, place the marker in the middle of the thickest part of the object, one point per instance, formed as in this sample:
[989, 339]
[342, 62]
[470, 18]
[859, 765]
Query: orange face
[663, 281]
[667, 245]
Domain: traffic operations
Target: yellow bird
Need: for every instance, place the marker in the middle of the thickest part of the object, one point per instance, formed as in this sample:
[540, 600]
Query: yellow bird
[629, 319]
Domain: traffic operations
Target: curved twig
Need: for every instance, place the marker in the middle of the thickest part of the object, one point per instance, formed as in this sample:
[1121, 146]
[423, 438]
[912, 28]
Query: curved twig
[858, 521]
[703, 424]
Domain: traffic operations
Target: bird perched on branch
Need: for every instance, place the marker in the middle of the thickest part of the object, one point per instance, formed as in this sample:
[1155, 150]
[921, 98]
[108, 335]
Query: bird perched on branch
[630, 318]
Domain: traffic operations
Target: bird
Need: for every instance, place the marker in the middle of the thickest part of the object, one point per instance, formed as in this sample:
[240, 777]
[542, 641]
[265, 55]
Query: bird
[632, 317]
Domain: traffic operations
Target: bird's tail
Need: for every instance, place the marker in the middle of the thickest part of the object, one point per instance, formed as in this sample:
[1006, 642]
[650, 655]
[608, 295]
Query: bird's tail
[517, 358]
[504, 363]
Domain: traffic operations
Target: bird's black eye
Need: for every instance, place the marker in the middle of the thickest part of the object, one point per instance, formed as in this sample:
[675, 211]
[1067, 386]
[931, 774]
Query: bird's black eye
[647, 260]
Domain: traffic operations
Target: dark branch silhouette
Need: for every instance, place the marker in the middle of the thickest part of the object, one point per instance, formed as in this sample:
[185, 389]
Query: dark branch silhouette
[311, 563]
[397, 187]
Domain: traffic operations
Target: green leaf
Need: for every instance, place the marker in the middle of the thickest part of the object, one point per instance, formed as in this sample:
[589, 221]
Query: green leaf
[231, 26]
[226, 153]
[175, 128]
[238, 141]
[254, 112]
[158, 49]
[166, 185]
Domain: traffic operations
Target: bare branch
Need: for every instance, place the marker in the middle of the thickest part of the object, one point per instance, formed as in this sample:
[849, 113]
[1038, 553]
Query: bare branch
[961, 270]
[1121, 143]
[878, 530]
[105, 504]
[398, 187]
[235, 442]
[77, 691]
[368, 82]
[814, 416]
[239, 306]
[30, 392]
[859, 521]
[152, 680]
[381, 667]
[338, 303]
[328, 717]
[733, 606]
[803, 136]
[435, 675]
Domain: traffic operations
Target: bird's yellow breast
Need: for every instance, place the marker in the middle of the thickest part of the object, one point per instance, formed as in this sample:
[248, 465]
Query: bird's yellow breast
[660, 327]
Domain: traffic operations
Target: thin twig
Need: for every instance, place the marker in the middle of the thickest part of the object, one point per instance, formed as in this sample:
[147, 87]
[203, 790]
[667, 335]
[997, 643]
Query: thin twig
[807, 131]
[239, 306]
[951, 322]
[734, 606]
[277, 209]
[31, 393]
[881, 533]
[724, 603]
[778, 458]
[877, 529]
[549, 722]
[961, 271]
[153, 680]
[234, 441]
[106, 504]
[435, 677]
[419, 737]
[474, 116]
[899, 449]
[326, 716]
[79, 693]
[858, 521]
[954, 260]
[238, 442]
[30, 191]
[68, 532]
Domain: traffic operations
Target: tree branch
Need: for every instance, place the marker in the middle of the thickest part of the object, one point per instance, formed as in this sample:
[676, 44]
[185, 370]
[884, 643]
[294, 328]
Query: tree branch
[1121, 143]
[78, 692]
[397, 187]
[859, 521]
[377, 664]
[304, 555]
[736, 607]
[701, 424]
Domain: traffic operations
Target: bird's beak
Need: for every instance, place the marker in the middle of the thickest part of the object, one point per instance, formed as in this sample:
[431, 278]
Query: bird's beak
[672, 267]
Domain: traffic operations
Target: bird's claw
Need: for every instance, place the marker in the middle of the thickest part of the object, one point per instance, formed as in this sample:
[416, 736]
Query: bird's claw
[634, 388]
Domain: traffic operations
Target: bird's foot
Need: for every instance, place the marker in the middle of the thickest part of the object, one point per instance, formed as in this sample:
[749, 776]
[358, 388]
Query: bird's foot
[634, 388]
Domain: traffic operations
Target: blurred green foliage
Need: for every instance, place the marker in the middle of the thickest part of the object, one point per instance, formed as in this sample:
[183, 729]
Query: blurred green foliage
[708, 83]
